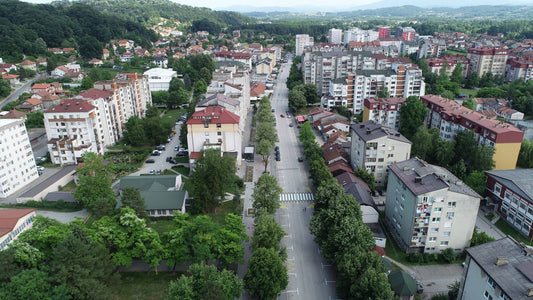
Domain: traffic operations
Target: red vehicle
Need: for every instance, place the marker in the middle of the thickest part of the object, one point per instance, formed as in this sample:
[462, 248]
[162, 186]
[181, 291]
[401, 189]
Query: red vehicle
[282, 115]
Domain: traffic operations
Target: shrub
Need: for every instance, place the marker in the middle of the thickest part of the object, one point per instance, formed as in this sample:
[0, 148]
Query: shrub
[448, 255]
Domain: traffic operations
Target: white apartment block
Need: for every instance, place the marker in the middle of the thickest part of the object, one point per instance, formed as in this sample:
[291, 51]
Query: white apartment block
[487, 59]
[303, 40]
[428, 209]
[359, 35]
[385, 111]
[335, 36]
[374, 147]
[337, 95]
[17, 165]
[71, 128]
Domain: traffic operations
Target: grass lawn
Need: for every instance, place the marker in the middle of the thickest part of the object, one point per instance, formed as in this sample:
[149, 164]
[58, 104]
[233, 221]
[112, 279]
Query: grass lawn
[142, 285]
[69, 187]
[224, 209]
[161, 226]
[182, 170]
[469, 92]
[184, 160]
[173, 114]
[509, 230]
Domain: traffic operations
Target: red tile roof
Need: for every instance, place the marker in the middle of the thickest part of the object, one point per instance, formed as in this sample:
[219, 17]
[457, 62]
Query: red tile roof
[10, 217]
[214, 115]
[14, 114]
[71, 105]
[95, 94]
[34, 101]
[195, 155]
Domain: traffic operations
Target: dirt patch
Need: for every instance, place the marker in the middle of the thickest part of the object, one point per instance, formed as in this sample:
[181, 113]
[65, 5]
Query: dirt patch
[249, 177]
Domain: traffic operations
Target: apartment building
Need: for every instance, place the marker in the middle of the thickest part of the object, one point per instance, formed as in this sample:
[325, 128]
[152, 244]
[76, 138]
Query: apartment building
[72, 129]
[337, 95]
[17, 165]
[405, 33]
[512, 193]
[384, 111]
[375, 147]
[430, 47]
[501, 269]
[335, 36]
[230, 56]
[383, 32]
[518, 68]
[436, 64]
[450, 118]
[428, 209]
[159, 79]
[302, 41]
[487, 59]
[360, 36]
[214, 127]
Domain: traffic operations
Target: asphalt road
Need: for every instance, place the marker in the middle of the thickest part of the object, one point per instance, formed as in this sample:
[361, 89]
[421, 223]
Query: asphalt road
[309, 275]
[19, 90]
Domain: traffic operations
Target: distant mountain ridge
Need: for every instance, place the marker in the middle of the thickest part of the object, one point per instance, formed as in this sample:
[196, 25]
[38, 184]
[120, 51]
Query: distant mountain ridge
[410, 11]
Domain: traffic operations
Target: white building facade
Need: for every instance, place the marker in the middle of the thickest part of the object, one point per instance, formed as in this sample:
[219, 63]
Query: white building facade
[17, 165]
[159, 79]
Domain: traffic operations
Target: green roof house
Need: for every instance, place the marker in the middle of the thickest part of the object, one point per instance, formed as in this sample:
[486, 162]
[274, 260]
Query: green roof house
[162, 193]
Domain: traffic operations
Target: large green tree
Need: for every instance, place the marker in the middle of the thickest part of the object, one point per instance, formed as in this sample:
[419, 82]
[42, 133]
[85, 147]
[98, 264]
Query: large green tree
[231, 237]
[131, 197]
[266, 276]
[268, 234]
[212, 176]
[412, 114]
[266, 193]
[33, 284]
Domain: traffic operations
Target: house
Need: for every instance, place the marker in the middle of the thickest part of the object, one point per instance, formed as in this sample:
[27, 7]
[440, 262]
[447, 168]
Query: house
[512, 194]
[501, 269]
[374, 147]
[12, 223]
[214, 127]
[15, 114]
[162, 194]
[18, 167]
[498, 106]
[334, 155]
[126, 57]
[12, 78]
[257, 91]
[96, 62]
[428, 209]
[28, 64]
[47, 99]
[31, 104]
[161, 62]
[105, 54]
[6, 68]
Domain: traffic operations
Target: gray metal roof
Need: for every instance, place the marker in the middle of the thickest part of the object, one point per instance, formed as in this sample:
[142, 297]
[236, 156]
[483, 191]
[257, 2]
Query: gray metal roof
[370, 130]
[518, 180]
[158, 191]
[421, 177]
[507, 276]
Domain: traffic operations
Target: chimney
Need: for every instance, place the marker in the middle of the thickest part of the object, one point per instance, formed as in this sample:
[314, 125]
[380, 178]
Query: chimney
[418, 179]
[368, 131]
[361, 125]
[501, 261]
[530, 291]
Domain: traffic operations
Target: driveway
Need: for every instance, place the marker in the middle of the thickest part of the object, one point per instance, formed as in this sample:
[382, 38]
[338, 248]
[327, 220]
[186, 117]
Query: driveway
[63, 217]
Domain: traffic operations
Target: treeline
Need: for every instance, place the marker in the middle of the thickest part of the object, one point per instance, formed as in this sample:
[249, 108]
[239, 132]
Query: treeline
[338, 227]
[29, 29]
[148, 12]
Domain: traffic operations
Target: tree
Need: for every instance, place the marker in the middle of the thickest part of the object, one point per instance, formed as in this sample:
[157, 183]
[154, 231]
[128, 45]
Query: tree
[266, 193]
[525, 157]
[82, 266]
[487, 80]
[131, 197]
[306, 133]
[212, 176]
[154, 130]
[205, 74]
[490, 92]
[206, 282]
[35, 120]
[421, 143]
[457, 74]
[310, 93]
[200, 87]
[134, 133]
[266, 131]
[477, 181]
[412, 114]
[367, 177]
[472, 80]
[94, 185]
[26, 254]
[268, 234]
[297, 100]
[266, 276]
[264, 148]
[200, 239]
[87, 83]
[159, 97]
[9, 267]
[479, 238]
[32, 284]
[231, 236]
[470, 103]
[44, 235]
[383, 92]
[152, 111]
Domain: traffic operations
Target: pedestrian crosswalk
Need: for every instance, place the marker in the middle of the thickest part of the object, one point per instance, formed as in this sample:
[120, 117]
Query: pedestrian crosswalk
[293, 197]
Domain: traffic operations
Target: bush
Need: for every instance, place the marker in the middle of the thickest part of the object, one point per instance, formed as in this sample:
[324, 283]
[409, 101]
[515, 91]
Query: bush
[439, 297]
[59, 204]
[448, 255]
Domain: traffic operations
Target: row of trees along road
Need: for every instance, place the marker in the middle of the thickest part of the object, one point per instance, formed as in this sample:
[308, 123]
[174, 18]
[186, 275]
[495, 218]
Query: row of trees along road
[300, 94]
[265, 135]
[463, 156]
[340, 232]
[266, 276]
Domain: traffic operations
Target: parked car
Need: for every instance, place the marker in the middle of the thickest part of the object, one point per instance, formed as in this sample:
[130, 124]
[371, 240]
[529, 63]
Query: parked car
[40, 168]
[158, 172]
[300, 159]
[150, 161]
[173, 161]
[152, 171]
[291, 125]
[273, 110]
[169, 158]
[276, 148]
[282, 115]
[161, 147]
[155, 153]
[278, 158]
[181, 154]
[176, 148]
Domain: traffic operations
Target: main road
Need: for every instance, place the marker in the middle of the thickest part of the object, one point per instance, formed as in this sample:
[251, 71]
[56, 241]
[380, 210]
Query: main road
[310, 277]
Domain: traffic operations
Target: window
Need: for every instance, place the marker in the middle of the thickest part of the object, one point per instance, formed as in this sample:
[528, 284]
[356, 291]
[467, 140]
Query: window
[219, 133]
[381, 159]
[390, 155]
[487, 295]
[491, 283]
[497, 189]
[434, 230]
[219, 125]
[206, 133]
[450, 215]
[452, 204]
[437, 209]
[435, 220]
[432, 239]
[446, 233]
[444, 243]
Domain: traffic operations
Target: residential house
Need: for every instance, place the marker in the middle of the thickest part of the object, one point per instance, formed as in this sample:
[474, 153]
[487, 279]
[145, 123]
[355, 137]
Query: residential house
[12, 78]
[244, 58]
[31, 104]
[47, 99]
[374, 147]
[96, 62]
[214, 127]
[6, 68]
[162, 194]
[501, 269]
[126, 56]
[13, 222]
[512, 194]
[18, 165]
[500, 107]
[105, 54]
[28, 64]
[15, 114]
[450, 118]
[161, 62]
[257, 91]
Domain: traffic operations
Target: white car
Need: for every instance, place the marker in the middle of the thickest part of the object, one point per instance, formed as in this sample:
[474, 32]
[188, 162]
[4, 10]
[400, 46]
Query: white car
[40, 168]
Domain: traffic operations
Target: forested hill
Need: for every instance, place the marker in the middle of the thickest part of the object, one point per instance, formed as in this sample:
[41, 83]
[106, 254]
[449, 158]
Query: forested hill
[146, 11]
[31, 28]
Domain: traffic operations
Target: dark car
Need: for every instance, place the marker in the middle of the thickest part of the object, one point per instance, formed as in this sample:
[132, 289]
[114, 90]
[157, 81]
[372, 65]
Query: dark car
[150, 161]
[173, 161]
[276, 148]
[181, 154]
[300, 159]
[278, 158]
[161, 147]
[169, 158]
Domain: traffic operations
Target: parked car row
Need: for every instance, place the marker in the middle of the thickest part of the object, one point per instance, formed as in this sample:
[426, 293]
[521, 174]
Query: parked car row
[278, 158]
